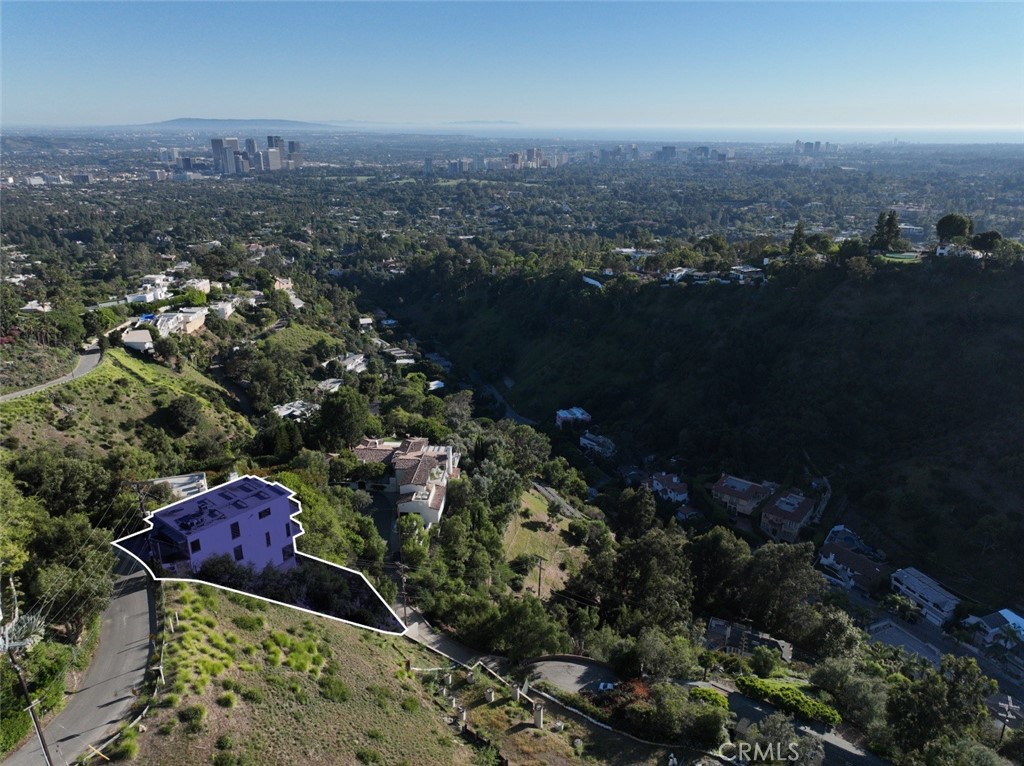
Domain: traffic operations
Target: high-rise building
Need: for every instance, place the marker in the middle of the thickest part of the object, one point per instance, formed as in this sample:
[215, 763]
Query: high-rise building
[275, 142]
[250, 147]
[428, 167]
[273, 159]
[668, 153]
[217, 145]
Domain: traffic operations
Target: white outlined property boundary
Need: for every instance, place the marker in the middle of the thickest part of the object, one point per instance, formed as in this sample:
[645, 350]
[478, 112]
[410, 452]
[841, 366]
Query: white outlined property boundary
[291, 496]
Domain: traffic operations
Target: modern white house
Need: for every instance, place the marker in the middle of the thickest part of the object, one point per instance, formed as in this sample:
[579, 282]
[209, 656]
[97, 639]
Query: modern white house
[571, 415]
[937, 604]
[249, 519]
[138, 340]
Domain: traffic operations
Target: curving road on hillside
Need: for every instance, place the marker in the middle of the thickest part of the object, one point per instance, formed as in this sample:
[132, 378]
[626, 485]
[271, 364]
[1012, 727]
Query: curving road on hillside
[86, 363]
[102, 700]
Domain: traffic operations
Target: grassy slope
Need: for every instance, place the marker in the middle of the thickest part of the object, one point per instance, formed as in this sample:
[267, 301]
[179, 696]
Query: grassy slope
[531, 536]
[102, 408]
[286, 719]
[271, 661]
[296, 339]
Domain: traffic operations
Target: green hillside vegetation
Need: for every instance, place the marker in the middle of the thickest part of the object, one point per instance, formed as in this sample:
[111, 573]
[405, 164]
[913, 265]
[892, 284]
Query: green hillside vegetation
[127, 401]
[254, 683]
[27, 364]
[903, 385]
[534, 532]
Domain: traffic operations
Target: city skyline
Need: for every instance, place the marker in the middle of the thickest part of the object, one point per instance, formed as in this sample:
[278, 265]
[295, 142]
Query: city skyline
[924, 67]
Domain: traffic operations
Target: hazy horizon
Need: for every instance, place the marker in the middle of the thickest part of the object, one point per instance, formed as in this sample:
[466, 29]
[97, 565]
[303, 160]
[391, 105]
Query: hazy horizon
[616, 68]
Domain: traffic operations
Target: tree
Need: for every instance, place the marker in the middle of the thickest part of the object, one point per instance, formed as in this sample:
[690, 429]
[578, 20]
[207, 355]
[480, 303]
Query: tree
[719, 560]
[524, 629]
[950, 699]
[774, 741]
[780, 580]
[185, 413]
[954, 225]
[986, 241]
[886, 236]
[342, 419]
[798, 242]
[764, 661]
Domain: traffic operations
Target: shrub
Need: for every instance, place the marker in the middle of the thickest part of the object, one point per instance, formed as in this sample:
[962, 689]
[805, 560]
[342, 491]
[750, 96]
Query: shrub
[789, 699]
[410, 704]
[248, 621]
[225, 742]
[710, 697]
[252, 695]
[367, 756]
[192, 716]
[334, 689]
[227, 699]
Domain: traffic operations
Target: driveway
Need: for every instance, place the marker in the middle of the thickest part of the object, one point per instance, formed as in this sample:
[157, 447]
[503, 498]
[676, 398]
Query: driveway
[86, 363]
[574, 676]
[102, 700]
[838, 751]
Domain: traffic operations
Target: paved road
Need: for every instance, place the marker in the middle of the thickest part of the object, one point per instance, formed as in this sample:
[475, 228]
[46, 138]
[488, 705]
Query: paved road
[574, 676]
[838, 751]
[86, 363]
[102, 700]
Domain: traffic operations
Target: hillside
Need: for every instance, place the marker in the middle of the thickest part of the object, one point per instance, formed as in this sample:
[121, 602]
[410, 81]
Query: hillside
[905, 388]
[124, 401]
[277, 686]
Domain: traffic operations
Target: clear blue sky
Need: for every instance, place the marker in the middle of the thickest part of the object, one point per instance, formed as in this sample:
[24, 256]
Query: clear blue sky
[601, 65]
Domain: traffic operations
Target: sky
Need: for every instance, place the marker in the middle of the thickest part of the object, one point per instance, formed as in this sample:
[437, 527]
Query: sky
[923, 66]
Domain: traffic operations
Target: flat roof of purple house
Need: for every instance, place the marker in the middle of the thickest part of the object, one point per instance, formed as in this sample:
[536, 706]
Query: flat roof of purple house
[215, 506]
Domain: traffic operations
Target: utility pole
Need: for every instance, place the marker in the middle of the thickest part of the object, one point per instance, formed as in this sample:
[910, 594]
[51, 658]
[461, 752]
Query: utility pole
[31, 709]
[540, 571]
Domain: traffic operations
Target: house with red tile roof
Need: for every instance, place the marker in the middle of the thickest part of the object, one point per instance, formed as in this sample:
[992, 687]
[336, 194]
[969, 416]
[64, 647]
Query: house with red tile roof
[785, 515]
[738, 495]
[419, 473]
[669, 487]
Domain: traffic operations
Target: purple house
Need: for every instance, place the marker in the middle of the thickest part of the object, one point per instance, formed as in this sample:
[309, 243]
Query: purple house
[249, 519]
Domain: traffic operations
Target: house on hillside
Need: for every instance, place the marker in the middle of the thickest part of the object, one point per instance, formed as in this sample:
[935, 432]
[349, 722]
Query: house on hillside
[739, 496]
[184, 485]
[138, 340]
[936, 603]
[1004, 628]
[785, 515]
[249, 519]
[668, 486]
[847, 561]
[297, 410]
[571, 415]
[419, 473]
[600, 445]
[732, 638]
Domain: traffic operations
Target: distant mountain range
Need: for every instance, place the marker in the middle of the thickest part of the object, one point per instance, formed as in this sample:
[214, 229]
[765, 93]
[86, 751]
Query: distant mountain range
[202, 123]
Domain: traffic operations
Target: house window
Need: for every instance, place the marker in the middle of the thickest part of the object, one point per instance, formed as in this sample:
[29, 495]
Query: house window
[238, 553]
[268, 539]
[264, 513]
[194, 546]
[235, 531]
[287, 529]
[287, 552]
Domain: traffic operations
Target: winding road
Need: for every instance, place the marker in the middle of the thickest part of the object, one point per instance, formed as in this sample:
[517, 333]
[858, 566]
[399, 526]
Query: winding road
[102, 700]
[86, 363]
